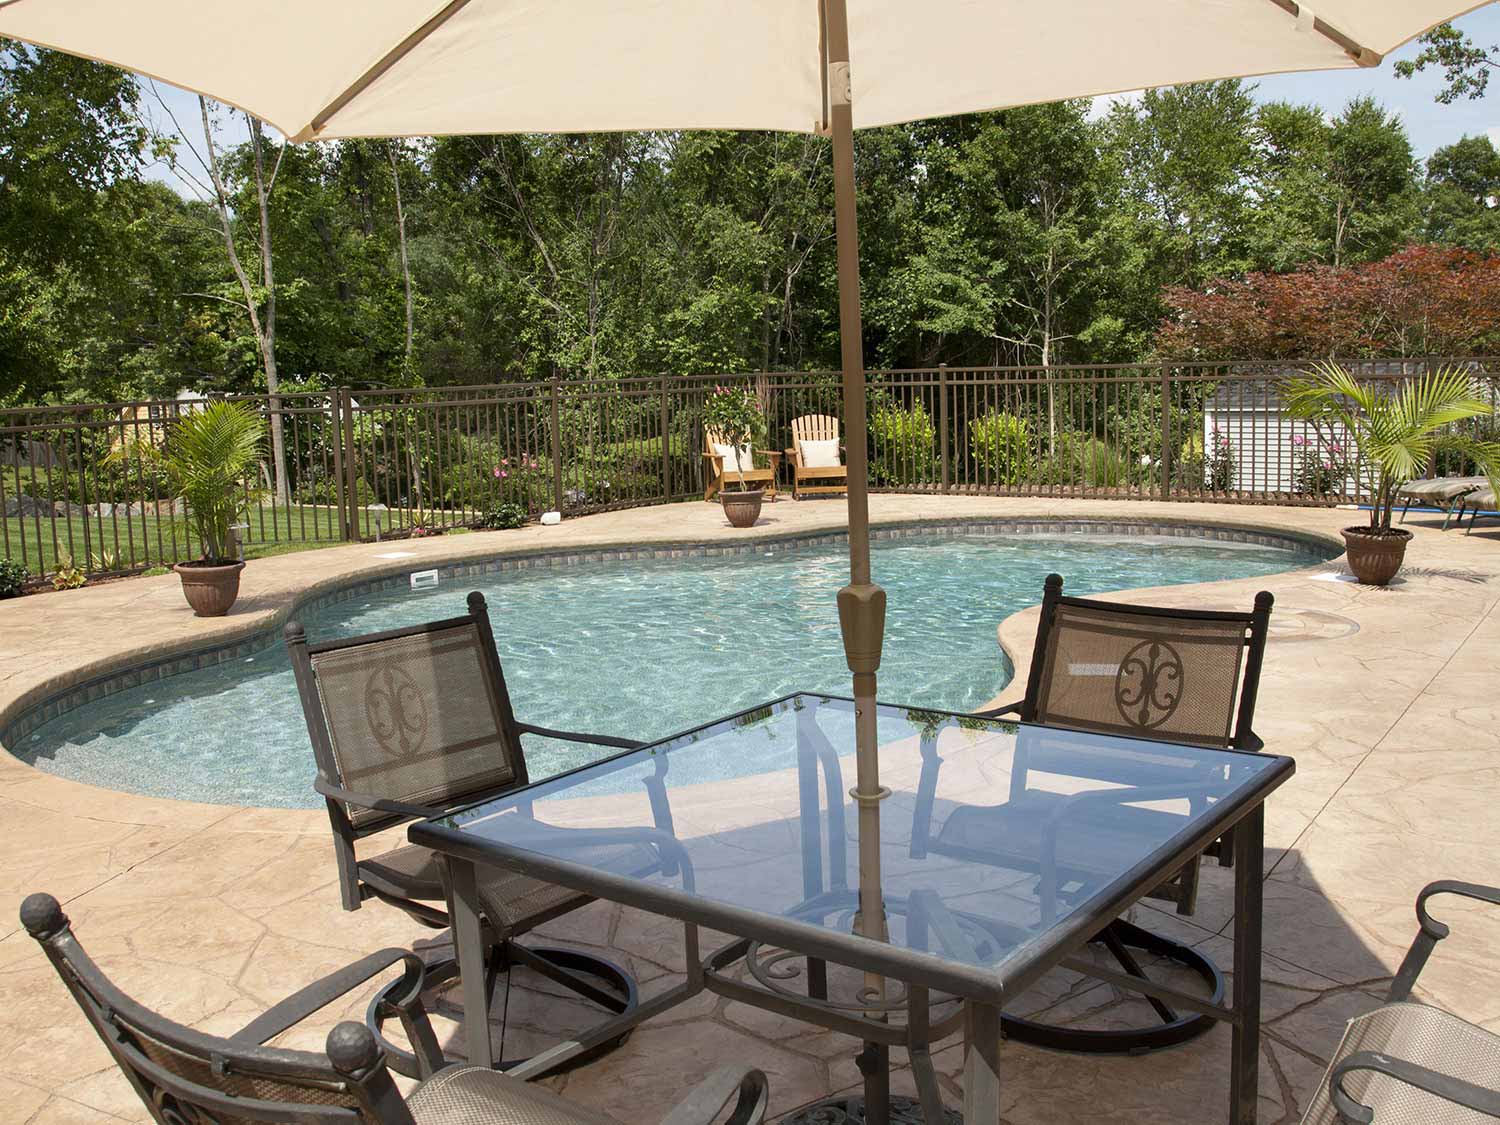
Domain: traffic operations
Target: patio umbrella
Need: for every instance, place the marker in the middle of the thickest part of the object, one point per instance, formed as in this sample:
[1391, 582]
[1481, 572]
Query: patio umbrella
[357, 68]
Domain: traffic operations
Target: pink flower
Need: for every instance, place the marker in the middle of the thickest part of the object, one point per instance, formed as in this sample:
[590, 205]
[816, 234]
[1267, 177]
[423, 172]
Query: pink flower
[1299, 440]
[504, 475]
[497, 471]
[505, 460]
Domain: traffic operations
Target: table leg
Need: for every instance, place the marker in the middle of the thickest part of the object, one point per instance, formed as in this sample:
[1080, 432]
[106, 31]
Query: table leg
[469, 946]
[981, 1064]
[1244, 1074]
[875, 1064]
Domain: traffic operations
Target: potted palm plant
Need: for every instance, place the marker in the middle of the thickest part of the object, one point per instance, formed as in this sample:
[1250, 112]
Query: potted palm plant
[209, 455]
[734, 413]
[1395, 432]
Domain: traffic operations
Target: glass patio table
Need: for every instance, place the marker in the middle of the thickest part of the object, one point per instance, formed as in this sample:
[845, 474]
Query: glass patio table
[1003, 847]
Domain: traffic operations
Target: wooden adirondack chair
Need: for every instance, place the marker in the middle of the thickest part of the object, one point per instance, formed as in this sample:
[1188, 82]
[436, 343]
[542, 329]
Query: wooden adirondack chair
[835, 478]
[721, 473]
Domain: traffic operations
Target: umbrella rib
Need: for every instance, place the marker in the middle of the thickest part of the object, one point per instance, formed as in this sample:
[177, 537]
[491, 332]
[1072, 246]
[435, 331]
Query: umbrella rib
[388, 60]
[1359, 53]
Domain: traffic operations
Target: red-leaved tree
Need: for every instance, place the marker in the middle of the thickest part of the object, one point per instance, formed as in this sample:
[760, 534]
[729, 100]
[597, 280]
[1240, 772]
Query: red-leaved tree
[1423, 300]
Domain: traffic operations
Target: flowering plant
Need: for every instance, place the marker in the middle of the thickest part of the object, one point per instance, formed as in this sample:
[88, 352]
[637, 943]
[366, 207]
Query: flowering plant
[735, 414]
[1322, 465]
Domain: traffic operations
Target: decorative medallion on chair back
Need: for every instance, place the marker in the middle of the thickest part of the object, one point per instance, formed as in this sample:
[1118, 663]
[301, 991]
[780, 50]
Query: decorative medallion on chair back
[417, 717]
[1119, 670]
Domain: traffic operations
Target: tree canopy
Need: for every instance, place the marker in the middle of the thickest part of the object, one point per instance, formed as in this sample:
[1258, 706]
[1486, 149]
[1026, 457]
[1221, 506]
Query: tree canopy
[1040, 234]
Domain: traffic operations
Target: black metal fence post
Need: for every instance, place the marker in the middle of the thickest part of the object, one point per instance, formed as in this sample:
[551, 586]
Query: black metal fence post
[1166, 433]
[351, 467]
[557, 476]
[943, 441]
[336, 435]
[666, 442]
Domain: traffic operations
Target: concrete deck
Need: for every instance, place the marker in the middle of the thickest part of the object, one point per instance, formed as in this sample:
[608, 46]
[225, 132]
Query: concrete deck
[1388, 699]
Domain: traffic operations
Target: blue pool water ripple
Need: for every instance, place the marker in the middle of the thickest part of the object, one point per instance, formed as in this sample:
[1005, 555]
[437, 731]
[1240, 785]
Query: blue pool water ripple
[640, 648]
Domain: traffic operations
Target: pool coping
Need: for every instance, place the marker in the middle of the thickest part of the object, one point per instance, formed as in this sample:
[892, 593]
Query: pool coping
[24, 713]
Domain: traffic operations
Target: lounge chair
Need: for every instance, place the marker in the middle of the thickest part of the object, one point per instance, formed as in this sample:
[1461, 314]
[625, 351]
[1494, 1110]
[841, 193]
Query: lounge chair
[185, 1076]
[1407, 1061]
[1480, 501]
[1173, 675]
[412, 723]
[722, 471]
[820, 462]
[1447, 493]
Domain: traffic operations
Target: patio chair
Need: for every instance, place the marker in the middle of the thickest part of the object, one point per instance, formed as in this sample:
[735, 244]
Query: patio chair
[1173, 675]
[185, 1076]
[1447, 493]
[412, 723]
[1407, 1061]
[817, 462]
[721, 470]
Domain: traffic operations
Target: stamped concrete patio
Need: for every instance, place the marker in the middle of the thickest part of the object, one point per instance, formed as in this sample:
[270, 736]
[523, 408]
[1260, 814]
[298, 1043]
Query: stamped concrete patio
[1388, 699]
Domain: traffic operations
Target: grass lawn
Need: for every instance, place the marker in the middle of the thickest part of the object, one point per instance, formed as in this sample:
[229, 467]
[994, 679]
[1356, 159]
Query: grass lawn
[141, 541]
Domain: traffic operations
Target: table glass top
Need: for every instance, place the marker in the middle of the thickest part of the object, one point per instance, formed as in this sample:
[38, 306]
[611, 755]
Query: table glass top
[994, 832]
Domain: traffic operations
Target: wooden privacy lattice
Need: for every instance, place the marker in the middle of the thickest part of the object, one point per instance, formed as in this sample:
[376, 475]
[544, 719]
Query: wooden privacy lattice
[362, 464]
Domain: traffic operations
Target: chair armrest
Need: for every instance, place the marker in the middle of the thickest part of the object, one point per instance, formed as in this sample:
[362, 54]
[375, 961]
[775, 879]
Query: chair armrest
[1003, 709]
[1455, 1090]
[406, 1000]
[377, 804]
[1432, 931]
[1251, 741]
[702, 1106]
[573, 736]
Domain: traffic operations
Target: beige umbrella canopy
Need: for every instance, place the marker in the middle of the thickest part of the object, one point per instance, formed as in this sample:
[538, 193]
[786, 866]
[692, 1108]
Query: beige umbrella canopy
[346, 68]
[322, 69]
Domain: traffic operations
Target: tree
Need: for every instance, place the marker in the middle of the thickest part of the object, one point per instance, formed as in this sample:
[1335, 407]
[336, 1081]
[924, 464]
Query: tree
[1421, 301]
[1466, 66]
[1189, 156]
[259, 305]
[1461, 193]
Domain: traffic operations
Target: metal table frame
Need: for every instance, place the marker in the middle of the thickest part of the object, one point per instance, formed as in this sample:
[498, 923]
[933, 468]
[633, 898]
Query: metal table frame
[982, 990]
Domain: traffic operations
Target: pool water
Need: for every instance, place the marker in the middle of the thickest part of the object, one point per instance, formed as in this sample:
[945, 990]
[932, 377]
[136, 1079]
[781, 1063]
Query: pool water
[640, 648]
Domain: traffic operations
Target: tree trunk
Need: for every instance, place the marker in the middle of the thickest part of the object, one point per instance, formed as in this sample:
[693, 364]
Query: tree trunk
[268, 325]
[264, 331]
[405, 263]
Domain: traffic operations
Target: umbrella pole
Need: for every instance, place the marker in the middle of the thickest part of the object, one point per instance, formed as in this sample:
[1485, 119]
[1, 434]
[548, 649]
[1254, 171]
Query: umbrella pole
[861, 603]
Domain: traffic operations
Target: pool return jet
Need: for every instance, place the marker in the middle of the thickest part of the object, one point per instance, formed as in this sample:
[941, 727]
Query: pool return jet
[369, 68]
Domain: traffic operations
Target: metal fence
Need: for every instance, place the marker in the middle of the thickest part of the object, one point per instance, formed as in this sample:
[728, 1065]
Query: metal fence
[79, 490]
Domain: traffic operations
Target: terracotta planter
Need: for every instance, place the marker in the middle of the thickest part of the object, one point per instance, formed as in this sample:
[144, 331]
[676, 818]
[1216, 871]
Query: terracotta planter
[1374, 559]
[742, 509]
[210, 590]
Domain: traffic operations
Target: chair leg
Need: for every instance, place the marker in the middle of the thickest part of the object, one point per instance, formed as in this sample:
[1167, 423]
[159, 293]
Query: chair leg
[1120, 937]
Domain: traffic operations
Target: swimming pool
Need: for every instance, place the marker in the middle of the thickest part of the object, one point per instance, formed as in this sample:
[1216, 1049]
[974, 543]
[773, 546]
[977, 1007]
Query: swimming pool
[641, 648]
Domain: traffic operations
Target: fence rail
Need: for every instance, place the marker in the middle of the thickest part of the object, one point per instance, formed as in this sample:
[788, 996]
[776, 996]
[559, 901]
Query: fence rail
[78, 490]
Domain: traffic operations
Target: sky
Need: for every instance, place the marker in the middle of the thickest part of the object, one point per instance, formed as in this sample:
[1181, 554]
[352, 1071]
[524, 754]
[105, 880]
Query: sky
[1429, 123]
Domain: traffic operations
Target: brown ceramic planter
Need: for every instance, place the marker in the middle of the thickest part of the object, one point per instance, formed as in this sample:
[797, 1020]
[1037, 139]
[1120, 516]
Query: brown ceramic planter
[210, 590]
[742, 509]
[1375, 559]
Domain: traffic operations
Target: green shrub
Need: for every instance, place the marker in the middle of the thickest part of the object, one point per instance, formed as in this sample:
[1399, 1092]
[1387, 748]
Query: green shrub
[318, 487]
[1215, 470]
[504, 516]
[12, 578]
[902, 445]
[67, 576]
[1084, 461]
[1001, 446]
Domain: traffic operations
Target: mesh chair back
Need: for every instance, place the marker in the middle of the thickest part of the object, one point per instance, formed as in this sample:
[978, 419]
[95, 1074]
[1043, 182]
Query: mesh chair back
[419, 716]
[1174, 675]
[183, 1075]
